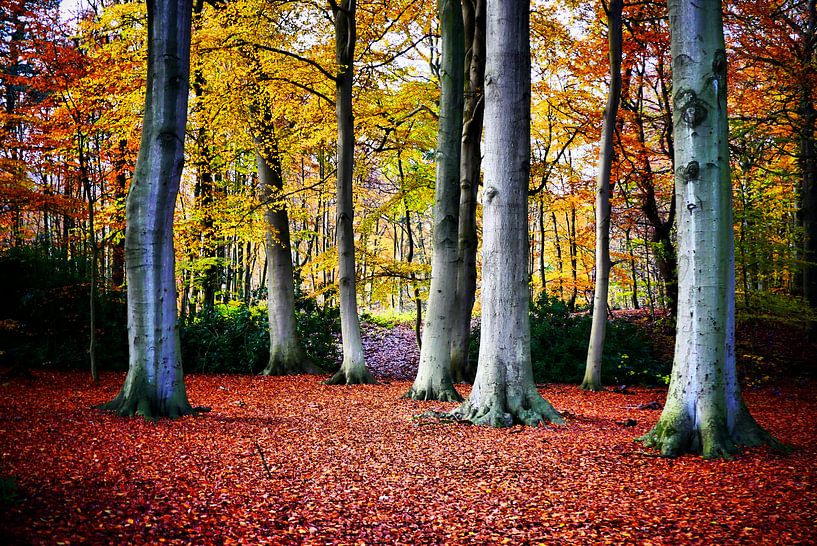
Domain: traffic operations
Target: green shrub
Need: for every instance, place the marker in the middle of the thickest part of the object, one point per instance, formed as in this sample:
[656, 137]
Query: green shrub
[319, 329]
[234, 338]
[45, 313]
[771, 307]
[389, 319]
[559, 342]
[44, 321]
[226, 339]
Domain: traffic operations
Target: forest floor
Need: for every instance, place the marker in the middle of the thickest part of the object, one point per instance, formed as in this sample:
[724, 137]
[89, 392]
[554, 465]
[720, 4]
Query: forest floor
[292, 461]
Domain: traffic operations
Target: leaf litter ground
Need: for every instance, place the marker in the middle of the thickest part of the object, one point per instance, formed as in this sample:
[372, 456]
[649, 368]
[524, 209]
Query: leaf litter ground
[291, 461]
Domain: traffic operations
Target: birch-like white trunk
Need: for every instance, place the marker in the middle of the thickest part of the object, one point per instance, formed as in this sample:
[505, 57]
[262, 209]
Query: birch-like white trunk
[595, 349]
[287, 355]
[353, 369]
[154, 385]
[504, 391]
[704, 411]
[433, 381]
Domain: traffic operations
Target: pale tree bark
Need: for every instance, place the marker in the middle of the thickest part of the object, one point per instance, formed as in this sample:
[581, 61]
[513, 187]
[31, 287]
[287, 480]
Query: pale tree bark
[504, 392]
[154, 385]
[433, 381]
[286, 355]
[353, 369]
[462, 369]
[704, 411]
[592, 372]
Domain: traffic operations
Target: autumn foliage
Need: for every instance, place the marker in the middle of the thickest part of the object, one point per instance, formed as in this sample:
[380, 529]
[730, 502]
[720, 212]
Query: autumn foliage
[293, 461]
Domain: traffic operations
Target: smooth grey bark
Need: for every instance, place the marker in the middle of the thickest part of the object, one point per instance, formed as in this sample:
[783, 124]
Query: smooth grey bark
[504, 392]
[704, 411]
[433, 381]
[462, 369]
[353, 369]
[287, 355]
[154, 385]
[595, 349]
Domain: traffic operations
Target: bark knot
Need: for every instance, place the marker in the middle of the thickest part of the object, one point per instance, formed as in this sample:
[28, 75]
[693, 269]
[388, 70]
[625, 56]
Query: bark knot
[692, 171]
[693, 110]
[490, 193]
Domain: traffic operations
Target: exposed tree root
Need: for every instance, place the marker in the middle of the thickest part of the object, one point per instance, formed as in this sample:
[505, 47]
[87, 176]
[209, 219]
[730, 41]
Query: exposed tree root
[442, 393]
[296, 365]
[532, 410]
[150, 407]
[675, 434]
[358, 375]
[590, 385]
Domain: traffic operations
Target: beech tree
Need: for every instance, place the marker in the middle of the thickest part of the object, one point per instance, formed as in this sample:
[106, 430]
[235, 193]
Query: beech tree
[592, 374]
[504, 391]
[287, 355]
[433, 381]
[704, 411]
[154, 385]
[353, 369]
[462, 370]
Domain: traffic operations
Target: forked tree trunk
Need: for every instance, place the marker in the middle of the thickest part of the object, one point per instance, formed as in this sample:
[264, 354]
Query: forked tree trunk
[595, 349]
[704, 412]
[286, 355]
[433, 381]
[154, 385]
[462, 369]
[353, 369]
[504, 392]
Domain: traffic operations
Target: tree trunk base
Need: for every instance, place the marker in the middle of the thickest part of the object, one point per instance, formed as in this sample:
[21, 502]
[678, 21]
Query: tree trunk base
[589, 385]
[675, 434]
[532, 410]
[444, 393]
[295, 365]
[149, 407]
[357, 375]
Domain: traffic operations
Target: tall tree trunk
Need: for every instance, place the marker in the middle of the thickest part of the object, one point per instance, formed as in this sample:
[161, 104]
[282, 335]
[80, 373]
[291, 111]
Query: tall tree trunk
[558, 255]
[154, 385]
[86, 184]
[592, 372]
[504, 392]
[118, 250]
[418, 304]
[287, 355]
[541, 228]
[433, 381]
[462, 369]
[704, 411]
[353, 369]
[574, 256]
[633, 269]
[807, 162]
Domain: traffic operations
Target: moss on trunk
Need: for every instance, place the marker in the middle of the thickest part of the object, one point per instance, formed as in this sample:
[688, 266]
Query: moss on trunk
[677, 433]
[529, 409]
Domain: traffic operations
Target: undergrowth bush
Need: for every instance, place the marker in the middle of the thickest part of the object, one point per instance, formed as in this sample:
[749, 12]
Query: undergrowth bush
[45, 313]
[44, 322]
[389, 318]
[234, 338]
[559, 348]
